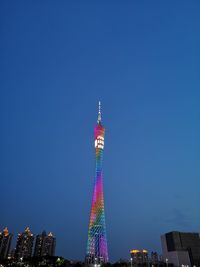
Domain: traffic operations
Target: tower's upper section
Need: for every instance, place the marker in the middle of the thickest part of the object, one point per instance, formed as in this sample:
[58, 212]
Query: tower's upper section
[99, 131]
[99, 114]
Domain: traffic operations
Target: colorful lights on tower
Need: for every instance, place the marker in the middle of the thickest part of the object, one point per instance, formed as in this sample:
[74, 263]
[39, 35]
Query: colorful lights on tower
[97, 251]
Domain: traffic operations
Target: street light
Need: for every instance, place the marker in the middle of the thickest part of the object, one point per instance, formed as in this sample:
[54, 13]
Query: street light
[131, 262]
[167, 262]
[21, 259]
[95, 262]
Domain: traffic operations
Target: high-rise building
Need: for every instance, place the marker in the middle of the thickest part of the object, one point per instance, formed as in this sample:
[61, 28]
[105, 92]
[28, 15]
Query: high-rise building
[49, 245]
[181, 248]
[139, 256]
[154, 257]
[24, 244]
[45, 245]
[5, 241]
[97, 251]
[38, 244]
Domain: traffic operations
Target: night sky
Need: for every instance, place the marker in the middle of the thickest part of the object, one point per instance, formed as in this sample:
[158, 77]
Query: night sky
[142, 60]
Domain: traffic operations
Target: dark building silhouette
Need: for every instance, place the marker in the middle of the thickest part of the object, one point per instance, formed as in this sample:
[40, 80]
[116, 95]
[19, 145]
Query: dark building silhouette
[45, 245]
[38, 244]
[12, 254]
[154, 258]
[49, 245]
[24, 245]
[139, 256]
[181, 248]
[5, 242]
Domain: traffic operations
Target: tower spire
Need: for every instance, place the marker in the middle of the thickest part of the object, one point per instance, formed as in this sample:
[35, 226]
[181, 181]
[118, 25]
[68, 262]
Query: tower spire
[99, 113]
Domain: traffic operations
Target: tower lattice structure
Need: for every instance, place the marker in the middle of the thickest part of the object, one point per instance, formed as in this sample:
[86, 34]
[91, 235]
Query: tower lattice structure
[97, 251]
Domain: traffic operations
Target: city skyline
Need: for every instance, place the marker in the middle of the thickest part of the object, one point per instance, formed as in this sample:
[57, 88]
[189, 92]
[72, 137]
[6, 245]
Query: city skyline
[142, 60]
[26, 245]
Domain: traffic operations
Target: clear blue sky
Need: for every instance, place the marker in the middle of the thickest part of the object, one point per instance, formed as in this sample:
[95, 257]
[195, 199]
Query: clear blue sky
[142, 60]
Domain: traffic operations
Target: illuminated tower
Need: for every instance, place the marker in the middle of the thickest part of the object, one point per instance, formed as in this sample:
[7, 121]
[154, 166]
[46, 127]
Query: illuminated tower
[97, 243]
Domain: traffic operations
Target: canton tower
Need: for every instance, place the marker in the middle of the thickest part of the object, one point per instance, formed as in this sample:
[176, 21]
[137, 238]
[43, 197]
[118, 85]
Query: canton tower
[97, 251]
